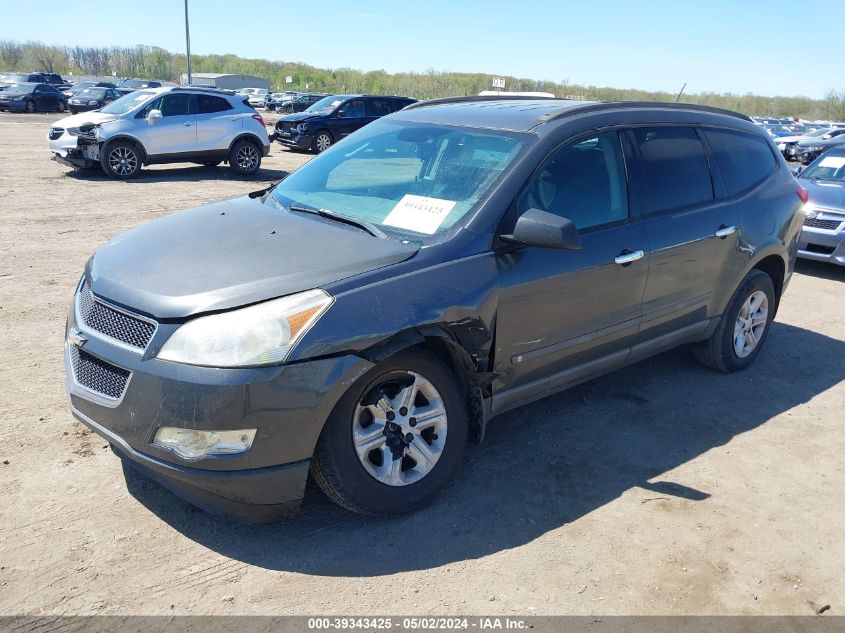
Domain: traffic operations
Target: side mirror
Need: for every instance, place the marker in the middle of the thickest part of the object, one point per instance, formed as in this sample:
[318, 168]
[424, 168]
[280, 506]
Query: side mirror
[341, 113]
[153, 116]
[798, 170]
[544, 229]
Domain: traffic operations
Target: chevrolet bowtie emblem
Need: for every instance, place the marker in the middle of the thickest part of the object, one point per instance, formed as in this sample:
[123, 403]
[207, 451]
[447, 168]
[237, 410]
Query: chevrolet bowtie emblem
[75, 337]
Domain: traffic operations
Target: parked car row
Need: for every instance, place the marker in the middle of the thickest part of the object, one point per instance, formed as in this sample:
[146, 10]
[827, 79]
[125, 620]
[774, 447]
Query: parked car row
[32, 97]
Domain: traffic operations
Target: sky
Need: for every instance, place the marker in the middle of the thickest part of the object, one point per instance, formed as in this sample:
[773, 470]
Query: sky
[771, 47]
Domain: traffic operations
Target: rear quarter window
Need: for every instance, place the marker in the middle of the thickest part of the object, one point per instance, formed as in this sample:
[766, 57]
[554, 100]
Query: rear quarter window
[744, 160]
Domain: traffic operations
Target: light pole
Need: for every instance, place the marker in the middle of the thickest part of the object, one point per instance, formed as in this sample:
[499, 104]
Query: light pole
[188, 43]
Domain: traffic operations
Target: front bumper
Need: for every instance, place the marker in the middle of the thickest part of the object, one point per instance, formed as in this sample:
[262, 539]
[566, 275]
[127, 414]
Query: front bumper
[82, 107]
[822, 245]
[287, 404]
[293, 139]
[13, 106]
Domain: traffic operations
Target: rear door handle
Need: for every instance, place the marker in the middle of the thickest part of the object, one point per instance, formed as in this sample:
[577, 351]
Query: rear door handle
[724, 231]
[627, 257]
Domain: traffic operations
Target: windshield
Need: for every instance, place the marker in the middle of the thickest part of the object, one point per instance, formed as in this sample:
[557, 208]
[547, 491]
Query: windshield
[18, 89]
[830, 167]
[324, 106]
[412, 180]
[778, 133]
[81, 86]
[94, 93]
[127, 102]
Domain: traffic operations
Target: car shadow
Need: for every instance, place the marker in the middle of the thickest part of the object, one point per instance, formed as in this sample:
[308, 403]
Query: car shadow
[195, 173]
[540, 467]
[822, 270]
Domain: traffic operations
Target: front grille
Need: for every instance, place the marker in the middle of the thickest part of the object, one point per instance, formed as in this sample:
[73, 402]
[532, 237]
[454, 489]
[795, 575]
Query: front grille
[97, 375]
[56, 132]
[113, 323]
[816, 223]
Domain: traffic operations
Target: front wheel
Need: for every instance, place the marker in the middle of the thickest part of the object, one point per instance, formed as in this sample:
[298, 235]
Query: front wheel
[121, 160]
[741, 333]
[244, 158]
[30, 106]
[322, 141]
[395, 438]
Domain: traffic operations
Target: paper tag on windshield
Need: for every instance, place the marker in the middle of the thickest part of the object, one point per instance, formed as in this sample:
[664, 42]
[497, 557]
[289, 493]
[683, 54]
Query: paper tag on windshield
[834, 162]
[419, 213]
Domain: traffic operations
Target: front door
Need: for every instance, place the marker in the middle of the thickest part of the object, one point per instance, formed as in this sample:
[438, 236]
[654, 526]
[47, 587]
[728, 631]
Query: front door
[174, 135]
[348, 118]
[564, 314]
[691, 234]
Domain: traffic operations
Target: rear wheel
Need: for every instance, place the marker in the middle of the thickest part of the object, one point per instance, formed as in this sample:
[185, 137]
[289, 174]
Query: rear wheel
[61, 106]
[121, 160]
[244, 158]
[395, 438]
[322, 141]
[741, 333]
[30, 106]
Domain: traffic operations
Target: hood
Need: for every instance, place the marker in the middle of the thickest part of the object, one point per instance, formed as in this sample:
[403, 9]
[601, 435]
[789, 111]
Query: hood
[231, 253]
[837, 140]
[830, 195]
[81, 119]
[299, 116]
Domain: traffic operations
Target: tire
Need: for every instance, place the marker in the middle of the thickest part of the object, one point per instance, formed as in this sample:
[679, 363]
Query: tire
[74, 111]
[377, 482]
[322, 141]
[30, 106]
[722, 350]
[121, 160]
[61, 106]
[245, 158]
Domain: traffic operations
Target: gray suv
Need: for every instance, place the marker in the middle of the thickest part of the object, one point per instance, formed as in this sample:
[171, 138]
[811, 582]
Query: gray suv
[379, 306]
[163, 125]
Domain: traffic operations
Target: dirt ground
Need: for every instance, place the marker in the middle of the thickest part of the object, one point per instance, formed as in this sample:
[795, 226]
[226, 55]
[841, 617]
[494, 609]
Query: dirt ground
[664, 488]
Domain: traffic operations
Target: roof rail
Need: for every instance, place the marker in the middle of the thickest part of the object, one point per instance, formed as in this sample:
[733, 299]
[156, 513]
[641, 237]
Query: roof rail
[610, 105]
[204, 88]
[473, 98]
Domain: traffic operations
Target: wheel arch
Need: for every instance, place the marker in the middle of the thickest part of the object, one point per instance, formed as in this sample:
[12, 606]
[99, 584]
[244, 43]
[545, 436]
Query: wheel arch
[775, 267]
[130, 139]
[246, 136]
[445, 345]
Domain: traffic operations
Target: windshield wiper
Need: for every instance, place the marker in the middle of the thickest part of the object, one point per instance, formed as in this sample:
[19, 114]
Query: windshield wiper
[369, 227]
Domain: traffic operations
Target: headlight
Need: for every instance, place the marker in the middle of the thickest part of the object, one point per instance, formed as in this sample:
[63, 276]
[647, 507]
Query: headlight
[262, 334]
[92, 102]
[192, 444]
[302, 127]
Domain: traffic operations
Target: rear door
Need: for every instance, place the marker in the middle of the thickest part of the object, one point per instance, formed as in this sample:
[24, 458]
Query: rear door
[217, 123]
[691, 227]
[566, 313]
[175, 133]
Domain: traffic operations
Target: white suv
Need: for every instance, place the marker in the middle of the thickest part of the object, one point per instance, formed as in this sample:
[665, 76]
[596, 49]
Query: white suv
[163, 125]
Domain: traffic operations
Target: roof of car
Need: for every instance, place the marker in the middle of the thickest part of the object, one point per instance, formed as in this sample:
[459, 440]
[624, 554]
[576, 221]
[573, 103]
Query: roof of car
[521, 114]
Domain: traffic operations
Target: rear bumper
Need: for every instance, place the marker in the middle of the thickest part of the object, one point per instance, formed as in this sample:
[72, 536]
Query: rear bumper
[257, 495]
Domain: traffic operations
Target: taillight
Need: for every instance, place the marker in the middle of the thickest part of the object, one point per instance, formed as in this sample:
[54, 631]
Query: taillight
[802, 193]
[258, 118]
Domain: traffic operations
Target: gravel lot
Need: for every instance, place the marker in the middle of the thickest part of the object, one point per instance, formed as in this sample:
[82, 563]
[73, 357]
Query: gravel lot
[665, 488]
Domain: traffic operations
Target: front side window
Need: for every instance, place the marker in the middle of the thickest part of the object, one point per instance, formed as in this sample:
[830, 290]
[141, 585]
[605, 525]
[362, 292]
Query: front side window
[676, 173]
[353, 109]
[176, 105]
[413, 180]
[584, 182]
[744, 160]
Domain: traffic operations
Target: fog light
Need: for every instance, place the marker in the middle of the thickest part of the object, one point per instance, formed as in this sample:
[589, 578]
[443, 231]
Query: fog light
[193, 444]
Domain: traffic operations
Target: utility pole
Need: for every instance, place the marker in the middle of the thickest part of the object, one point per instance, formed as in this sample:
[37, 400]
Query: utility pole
[188, 42]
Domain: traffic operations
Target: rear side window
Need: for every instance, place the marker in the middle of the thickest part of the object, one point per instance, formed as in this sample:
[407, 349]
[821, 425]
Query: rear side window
[378, 107]
[743, 159]
[208, 104]
[676, 173]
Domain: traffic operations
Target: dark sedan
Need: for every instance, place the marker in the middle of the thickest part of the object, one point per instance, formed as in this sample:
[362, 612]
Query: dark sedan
[78, 87]
[810, 150]
[92, 99]
[300, 103]
[31, 97]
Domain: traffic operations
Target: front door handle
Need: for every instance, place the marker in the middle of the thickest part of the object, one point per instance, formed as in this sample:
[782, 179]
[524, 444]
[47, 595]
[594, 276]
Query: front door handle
[187, 124]
[723, 231]
[627, 257]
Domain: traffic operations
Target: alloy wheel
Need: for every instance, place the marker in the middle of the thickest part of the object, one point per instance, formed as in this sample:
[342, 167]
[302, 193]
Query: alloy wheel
[323, 142]
[247, 158]
[399, 429]
[122, 161]
[751, 323]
